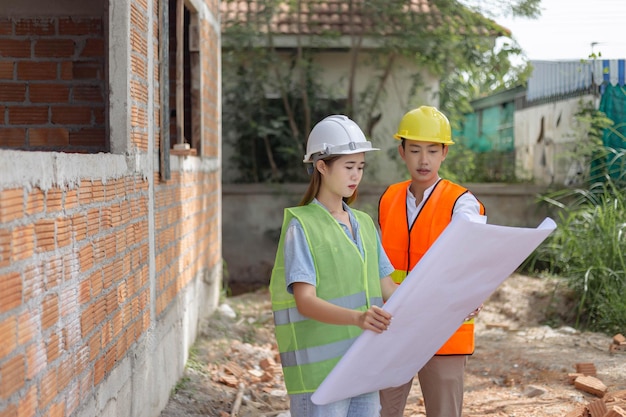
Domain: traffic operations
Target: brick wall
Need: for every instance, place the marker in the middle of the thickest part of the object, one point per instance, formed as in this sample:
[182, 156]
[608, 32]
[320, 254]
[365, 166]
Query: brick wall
[188, 238]
[74, 289]
[105, 270]
[52, 82]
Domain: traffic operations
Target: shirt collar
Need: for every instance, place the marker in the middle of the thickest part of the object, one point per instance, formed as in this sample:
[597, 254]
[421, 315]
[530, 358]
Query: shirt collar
[427, 192]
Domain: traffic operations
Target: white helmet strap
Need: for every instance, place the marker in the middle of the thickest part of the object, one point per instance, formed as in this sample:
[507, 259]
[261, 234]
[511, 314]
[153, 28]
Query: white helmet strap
[341, 149]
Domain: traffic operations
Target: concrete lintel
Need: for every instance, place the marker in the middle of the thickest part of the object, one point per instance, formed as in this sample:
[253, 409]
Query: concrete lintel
[194, 164]
[45, 170]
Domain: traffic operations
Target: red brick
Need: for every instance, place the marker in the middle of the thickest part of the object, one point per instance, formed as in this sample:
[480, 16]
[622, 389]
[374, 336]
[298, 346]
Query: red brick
[54, 48]
[12, 376]
[11, 204]
[94, 47]
[35, 201]
[5, 247]
[48, 136]
[94, 347]
[8, 335]
[44, 233]
[88, 137]
[87, 320]
[12, 137]
[71, 332]
[50, 311]
[28, 403]
[91, 93]
[99, 115]
[33, 282]
[14, 48]
[86, 258]
[97, 283]
[48, 387]
[66, 372]
[616, 411]
[27, 327]
[66, 70]
[93, 216]
[98, 371]
[97, 192]
[63, 232]
[84, 70]
[36, 359]
[10, 411]
[111, 302]
[71, 200]
[138, 17]
[12, 92]
[591, 385]
[100, 310]
[110, 359]
[54, 200]
[49, 93]
[36, 70]
[23, 115]
[53, 347]
[35, 26]
[79, 224]
[80, 26]
[53, 273]
[57, 409]
[71, 115]
[84, 291]
[6, 70]
[6, 26]
[10, 291]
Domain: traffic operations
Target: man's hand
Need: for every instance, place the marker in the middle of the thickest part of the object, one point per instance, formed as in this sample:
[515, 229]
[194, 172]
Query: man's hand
[474, 313]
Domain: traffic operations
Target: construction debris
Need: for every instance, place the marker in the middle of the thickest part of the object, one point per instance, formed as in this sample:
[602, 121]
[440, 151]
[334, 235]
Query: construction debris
[588, 369]
[608, 405]
[618, 345]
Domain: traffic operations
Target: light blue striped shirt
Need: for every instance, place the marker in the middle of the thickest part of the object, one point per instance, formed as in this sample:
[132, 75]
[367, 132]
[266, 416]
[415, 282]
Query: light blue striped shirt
[299, 265]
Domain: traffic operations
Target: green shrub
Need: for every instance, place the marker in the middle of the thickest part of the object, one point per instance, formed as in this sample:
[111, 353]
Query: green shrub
[588, 249]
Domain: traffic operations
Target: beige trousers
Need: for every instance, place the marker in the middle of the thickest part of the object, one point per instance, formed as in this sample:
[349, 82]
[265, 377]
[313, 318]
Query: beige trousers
[441, 381]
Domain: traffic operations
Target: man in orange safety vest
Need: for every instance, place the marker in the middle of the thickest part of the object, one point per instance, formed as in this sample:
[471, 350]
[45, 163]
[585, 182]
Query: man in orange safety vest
[411, 215]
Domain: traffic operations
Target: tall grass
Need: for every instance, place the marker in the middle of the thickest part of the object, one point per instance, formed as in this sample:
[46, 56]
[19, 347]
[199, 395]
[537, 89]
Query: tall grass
[588, 249]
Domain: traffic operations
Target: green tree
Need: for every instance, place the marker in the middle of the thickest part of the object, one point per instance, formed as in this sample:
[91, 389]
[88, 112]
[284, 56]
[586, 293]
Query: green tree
[451, 40]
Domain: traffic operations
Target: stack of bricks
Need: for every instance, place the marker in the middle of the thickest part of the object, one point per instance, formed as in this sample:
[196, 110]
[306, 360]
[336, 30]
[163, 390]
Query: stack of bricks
[618, 345]
[607, 405]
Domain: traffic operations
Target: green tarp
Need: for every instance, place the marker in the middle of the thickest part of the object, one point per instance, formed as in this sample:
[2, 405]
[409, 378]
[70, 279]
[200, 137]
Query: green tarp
[613, 104]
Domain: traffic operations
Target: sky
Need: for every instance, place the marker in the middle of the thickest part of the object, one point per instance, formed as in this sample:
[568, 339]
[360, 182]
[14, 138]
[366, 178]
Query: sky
[567, 29]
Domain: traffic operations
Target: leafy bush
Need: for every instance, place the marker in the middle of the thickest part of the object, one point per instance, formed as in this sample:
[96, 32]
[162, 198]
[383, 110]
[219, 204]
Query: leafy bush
[588, 249]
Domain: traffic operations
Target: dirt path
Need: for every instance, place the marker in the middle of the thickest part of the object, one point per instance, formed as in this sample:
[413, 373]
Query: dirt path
[520, 367]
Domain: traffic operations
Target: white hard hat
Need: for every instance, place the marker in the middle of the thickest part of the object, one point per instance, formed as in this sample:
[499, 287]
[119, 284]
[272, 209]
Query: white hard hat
[336, 135]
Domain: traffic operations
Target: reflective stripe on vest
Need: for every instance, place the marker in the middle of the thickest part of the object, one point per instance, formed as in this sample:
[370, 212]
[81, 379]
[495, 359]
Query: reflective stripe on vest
[309, 349]
[353, 302]
[315, 354]
[406, 245]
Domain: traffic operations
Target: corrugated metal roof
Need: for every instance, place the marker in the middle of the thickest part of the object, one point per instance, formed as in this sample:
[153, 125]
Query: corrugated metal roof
[553, 79]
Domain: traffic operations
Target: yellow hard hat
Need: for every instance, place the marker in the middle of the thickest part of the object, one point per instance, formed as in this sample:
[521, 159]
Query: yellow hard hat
[425, 124]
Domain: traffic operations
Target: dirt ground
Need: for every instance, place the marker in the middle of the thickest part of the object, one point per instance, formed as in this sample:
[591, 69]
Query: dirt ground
[525, 350]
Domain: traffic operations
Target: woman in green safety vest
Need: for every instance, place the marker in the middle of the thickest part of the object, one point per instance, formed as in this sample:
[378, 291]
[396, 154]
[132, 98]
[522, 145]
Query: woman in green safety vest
[331, 275]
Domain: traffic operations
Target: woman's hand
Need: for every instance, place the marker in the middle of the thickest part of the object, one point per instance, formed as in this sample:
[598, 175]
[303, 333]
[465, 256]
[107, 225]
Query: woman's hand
[375, 319]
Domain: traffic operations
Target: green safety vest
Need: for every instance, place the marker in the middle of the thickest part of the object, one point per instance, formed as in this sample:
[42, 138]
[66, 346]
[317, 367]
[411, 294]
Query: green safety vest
[310, 349]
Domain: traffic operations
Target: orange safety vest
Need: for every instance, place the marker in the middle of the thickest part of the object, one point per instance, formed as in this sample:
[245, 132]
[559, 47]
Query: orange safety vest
[405, 245]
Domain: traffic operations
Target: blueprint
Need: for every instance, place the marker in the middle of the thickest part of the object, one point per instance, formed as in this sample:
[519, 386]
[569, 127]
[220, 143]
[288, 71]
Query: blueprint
[464, 266]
